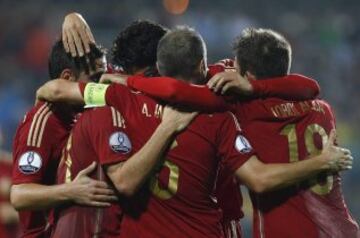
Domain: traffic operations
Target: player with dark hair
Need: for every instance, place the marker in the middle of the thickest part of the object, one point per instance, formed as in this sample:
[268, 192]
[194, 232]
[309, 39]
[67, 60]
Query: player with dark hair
[181, 192]
[75, 21]
[295, 130]
[60, 60]
[102, 135]
[135, 47]
[315, 208]
[256, 50]
[37, 150]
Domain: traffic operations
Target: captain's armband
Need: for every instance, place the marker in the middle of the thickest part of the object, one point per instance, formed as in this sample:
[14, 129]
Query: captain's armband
[94, 94]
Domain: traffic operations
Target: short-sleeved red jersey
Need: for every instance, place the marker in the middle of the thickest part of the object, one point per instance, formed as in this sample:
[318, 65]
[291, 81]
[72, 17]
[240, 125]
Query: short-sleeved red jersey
[97, 136]
[230, 201]
[178, 200]
[283, 132]
[257, 114]
[292, 86]
[36, 153]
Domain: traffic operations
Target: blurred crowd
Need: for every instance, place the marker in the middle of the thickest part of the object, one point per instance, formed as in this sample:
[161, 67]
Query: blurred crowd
[325, 36]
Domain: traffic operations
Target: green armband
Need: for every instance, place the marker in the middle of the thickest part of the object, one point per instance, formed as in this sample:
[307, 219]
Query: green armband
[94, 94]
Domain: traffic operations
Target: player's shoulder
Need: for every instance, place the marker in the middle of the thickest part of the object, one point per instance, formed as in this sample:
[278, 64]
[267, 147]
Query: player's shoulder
[37, 122]
[99, 115]
[323, 103]
[116, 87]
[315, 106]
[219, 120]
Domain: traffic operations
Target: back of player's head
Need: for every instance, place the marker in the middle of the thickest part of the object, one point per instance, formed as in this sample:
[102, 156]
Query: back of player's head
[59, 60]
[180, 53]
[135, 47]
[263, 52]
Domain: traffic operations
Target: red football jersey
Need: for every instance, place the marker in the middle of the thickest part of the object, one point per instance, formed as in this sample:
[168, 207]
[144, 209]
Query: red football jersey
[95, 137]
[36, 153]
[230, 201]
[284, 132]
[292, 86]
[177, 201]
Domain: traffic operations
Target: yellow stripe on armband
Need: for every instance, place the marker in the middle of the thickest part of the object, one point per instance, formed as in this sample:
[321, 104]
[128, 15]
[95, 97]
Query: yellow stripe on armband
[94, 94]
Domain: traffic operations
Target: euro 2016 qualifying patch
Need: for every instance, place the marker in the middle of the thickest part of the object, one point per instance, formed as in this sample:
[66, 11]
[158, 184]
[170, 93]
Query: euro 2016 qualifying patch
[120, 143]
[242, 145]
[30, 162]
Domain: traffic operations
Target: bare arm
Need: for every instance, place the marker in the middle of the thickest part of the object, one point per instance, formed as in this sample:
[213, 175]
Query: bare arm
[129, 176]
[60, 90]
[82, 190]
[261, 177]
[31, 196]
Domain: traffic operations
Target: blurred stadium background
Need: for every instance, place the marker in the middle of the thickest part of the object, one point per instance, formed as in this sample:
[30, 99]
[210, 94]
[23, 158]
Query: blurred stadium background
[325, 36]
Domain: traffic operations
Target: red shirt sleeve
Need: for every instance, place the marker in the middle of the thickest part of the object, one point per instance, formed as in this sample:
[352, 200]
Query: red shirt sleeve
[111, 140]
[82, 86]
[290, 87]
[175, 91]
[36, 144]
[119, 96]
[234, 148]
[220, 66]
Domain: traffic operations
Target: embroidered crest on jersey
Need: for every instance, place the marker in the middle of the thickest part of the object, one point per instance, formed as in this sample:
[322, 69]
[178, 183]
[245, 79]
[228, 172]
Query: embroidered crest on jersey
[30, 162]
[242, 144]
[120, 142]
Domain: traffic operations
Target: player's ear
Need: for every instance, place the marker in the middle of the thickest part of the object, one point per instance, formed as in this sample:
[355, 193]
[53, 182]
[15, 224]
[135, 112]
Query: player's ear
[157, 66]
[66, 74]
[202, 67]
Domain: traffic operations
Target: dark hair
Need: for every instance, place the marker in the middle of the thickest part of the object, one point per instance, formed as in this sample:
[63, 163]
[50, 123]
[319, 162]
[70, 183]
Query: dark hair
[60, 60]
[135, 46]
[180, 53]
[263, 52]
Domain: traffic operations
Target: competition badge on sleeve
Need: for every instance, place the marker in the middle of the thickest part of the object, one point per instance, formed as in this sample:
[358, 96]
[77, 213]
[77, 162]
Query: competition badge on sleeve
[30, 162]
[242, 145]
[120, 142]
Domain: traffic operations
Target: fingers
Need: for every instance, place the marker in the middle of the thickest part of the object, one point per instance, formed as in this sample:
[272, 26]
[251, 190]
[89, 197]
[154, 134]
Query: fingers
[100, 184]
[343, 163]
[105, 198]
[226, 87]
[104, 191]
[345, 151]
[78, 43]
[97, 204]
[213, 80]
[65, 41]
[218, 83]
[90, 35]
[332, 138]
[87, 170]
[71, 43]
[84, 39]
[348, 162]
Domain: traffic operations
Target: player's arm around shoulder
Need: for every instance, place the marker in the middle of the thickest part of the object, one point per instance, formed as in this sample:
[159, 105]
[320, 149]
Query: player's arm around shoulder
[82, 190]
[61, 90]
[261, 177]
[129, 175]
[33, 152]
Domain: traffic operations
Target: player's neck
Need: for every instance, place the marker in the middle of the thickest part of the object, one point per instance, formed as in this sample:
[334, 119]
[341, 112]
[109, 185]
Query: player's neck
[65, 112]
